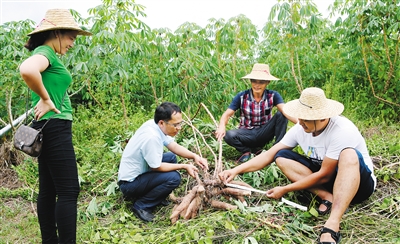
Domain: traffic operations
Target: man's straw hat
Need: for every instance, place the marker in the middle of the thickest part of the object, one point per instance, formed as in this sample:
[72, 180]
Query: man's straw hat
[59, 19]
[260, 72]
[313, 105]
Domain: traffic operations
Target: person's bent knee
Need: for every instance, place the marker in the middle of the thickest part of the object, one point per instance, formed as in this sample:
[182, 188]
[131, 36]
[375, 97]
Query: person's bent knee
[348, 156]
[281, 155]
[285, 153]
[280, 116]
[170, 157]
[174, 179]
[280, 162]
[229, 137]
[174, 159]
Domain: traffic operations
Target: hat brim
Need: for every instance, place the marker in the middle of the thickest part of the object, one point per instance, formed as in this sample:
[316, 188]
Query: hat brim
[260, 77]
[80, 31]
[297, 110]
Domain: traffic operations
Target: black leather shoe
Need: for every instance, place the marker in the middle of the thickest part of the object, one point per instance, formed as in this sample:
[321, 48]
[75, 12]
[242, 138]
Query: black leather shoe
[143, 214]
[164, 202]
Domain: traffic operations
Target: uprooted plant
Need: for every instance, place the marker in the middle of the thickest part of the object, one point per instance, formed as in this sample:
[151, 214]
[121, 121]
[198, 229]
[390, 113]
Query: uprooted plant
[208, 191]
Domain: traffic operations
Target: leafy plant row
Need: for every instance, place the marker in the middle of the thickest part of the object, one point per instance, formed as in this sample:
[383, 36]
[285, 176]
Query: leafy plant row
[126, 63]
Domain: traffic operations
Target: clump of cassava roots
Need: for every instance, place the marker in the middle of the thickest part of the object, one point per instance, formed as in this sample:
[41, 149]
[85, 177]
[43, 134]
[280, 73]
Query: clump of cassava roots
[207, 192]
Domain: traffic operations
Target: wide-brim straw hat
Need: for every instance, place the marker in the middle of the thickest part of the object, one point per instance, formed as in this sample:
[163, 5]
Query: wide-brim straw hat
[59, 19]
[313, 105]
[260, 72]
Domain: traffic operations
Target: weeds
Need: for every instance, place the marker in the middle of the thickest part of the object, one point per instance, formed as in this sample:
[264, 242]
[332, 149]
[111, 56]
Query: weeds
[104, 217]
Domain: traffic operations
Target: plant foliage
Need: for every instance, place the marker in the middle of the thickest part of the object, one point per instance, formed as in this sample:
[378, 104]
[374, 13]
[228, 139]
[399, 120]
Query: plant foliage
[126, 69]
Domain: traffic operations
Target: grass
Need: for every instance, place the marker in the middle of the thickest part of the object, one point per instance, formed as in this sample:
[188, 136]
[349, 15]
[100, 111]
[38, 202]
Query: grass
[103, 216]
[374, 221]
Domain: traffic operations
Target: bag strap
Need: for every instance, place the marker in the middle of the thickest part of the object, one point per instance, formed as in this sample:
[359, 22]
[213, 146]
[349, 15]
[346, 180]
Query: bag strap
[27, 105]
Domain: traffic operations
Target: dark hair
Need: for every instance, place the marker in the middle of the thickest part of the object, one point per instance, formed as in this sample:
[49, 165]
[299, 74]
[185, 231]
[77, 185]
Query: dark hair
[165, 110]
[39, 38]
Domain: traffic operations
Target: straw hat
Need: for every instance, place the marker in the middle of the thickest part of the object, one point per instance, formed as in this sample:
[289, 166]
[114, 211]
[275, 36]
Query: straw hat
[313, 105]
[59, 19]
[260, 72]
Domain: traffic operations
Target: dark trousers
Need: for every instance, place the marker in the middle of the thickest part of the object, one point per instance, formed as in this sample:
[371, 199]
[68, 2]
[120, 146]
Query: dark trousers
[58, 183]
[365, 189]
[244, 140]
[151, 188]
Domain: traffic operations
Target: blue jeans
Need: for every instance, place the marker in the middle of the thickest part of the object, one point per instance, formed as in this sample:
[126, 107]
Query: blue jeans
[365, 189]
[244, 140]
[151, 188]
[58, 183]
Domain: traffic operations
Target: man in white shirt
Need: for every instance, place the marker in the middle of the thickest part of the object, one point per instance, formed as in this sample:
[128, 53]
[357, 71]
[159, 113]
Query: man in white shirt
[146, 174]
[337, 166]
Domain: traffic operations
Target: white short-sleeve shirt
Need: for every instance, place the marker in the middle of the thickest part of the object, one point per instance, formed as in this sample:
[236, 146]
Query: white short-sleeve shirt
[339, 134]
[143, 151]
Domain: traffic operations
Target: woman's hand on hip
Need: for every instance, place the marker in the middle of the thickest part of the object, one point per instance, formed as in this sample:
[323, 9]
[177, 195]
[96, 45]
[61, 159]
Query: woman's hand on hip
[44, 106]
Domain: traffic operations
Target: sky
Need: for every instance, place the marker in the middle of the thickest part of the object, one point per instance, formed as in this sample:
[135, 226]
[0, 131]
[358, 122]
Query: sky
[160, 13]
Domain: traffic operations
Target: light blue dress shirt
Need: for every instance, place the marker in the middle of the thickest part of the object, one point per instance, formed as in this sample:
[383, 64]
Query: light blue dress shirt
[144, 151]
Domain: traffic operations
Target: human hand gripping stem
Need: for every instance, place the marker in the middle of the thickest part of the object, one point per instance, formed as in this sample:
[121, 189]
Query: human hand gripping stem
[220, 133]
[44, 106]
[276, 192]
[226, 176]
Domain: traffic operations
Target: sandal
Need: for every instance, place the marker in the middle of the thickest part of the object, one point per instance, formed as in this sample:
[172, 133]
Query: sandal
[328, 205]
[244, 158]
[335, 236]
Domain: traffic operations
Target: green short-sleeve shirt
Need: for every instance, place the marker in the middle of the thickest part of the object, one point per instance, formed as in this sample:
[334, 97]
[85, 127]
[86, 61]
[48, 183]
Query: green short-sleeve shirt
[56, 79]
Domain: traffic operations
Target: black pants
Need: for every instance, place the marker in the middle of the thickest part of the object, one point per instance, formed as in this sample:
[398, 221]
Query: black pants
[58, 183]
[244, 140]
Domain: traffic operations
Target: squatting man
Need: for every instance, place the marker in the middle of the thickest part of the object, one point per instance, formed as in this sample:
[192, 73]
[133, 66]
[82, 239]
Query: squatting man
[147, 174]
[337, 166]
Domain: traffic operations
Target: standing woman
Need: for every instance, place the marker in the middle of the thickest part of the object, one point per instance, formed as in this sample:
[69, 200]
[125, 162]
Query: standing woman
[48, 78]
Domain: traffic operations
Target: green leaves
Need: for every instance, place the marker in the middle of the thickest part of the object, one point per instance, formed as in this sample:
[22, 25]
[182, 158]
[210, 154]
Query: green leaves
[92, 208]
[126, 62]
[111, 188]
[264, 176]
